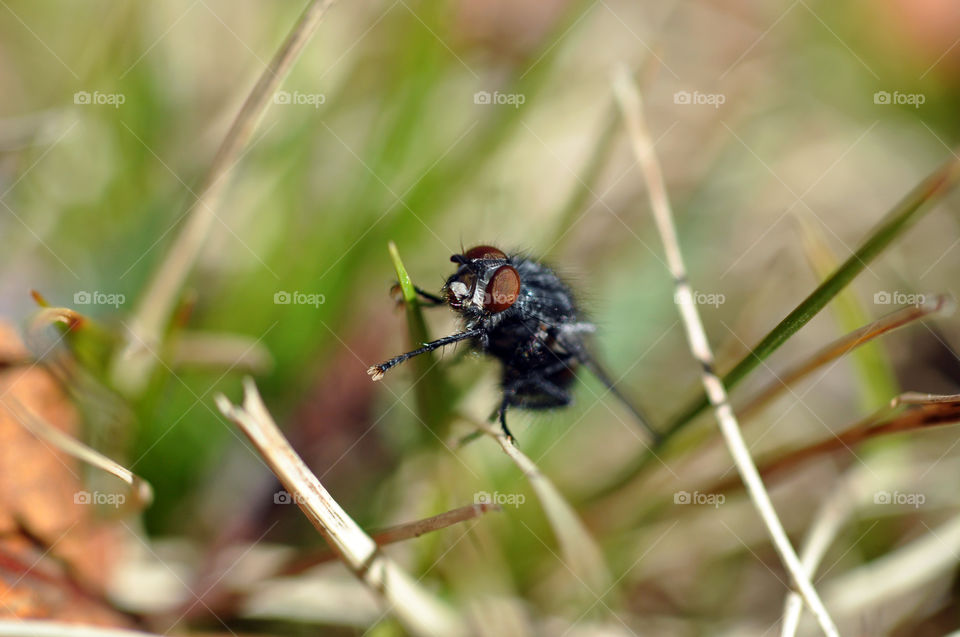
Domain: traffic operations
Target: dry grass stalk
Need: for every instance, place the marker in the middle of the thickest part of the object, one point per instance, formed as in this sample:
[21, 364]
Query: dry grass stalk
[399, 533]
[47, 628]
[141, 493]
[580, 551]
[844, 345]
[417, 610]
[135, 360]
[908, 412]
[631, 106]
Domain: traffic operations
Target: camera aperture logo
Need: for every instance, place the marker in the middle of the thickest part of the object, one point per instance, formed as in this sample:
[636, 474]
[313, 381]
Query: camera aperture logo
[915, 100]
[285, 497]
[298, 298]
[503, 499]
[512, 99]
[85, 98]
[915, 500]
[697, 98]
[712, 499]
[299, 99]
[702, 298]
[98, 298]
[115, 500]
[896, 297]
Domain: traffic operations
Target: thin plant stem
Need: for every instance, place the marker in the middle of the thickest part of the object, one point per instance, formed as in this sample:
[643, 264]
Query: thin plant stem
[399, 533]
[630, 104]
[580, 551]
[893, 225]
[845, 344]
[134, 361]
[418, 611]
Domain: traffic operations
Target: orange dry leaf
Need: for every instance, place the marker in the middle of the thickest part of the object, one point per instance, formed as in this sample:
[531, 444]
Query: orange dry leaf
[55, 555]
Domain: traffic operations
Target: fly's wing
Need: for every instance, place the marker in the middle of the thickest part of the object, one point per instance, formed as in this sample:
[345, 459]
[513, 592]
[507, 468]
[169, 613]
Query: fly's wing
[574, 341]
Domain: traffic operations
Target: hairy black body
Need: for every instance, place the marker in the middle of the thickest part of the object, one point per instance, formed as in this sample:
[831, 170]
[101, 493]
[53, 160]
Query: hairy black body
[517, 310]
[536, 339]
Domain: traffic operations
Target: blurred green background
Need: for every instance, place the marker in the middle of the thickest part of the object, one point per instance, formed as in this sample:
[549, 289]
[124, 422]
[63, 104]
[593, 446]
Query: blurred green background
[772, 126]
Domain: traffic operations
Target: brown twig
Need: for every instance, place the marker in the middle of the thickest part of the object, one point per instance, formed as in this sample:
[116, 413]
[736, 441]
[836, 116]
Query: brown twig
[396, 533]
[913, 411]
[843, 346]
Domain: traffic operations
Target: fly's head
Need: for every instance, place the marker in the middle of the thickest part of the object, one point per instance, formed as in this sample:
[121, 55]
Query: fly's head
[484, 285]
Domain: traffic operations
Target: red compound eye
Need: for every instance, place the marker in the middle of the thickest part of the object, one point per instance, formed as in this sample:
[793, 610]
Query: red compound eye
[502, 290]
[484, 252]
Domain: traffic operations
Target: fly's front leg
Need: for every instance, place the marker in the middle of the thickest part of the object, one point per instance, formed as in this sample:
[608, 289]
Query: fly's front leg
[377, 371]
[427, 299]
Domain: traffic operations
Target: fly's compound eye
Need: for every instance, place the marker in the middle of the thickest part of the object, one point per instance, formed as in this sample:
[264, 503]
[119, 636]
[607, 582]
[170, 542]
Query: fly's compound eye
[484, 252]
[502, 290]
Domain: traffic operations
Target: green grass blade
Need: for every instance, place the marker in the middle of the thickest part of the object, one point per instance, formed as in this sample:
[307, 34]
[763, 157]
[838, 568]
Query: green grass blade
[892, 226]
[408, 291]
[430, 384]
[877, 381]
[586, 182]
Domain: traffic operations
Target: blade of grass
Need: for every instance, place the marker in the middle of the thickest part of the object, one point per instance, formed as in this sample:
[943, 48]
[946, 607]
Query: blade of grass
[50, 628]
[865, 590]
[580, 552]
[832, 351]
[907, 412]
[419, 611]
[398, 533]
[906, 212]
[877, 380]
[140, 491]
[848, 343]
[586, 182]
[631, 105]
[220, 351]
[418, 328]
[832, 514]
[919, 200]
[134, 361]
[433, 401]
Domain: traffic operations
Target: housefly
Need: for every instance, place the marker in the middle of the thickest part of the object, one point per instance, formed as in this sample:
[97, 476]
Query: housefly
[519, 311]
